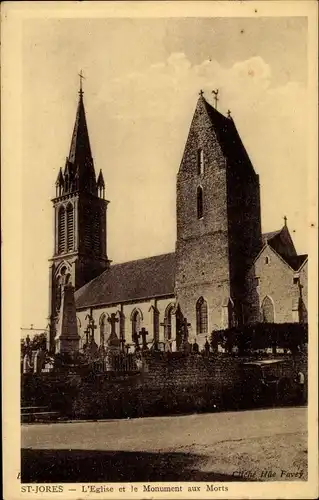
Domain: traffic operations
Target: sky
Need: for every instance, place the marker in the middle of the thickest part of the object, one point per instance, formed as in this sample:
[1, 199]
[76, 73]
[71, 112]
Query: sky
[142, 78]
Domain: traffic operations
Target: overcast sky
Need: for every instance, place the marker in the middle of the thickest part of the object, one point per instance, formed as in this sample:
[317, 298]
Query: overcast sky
[142, 82]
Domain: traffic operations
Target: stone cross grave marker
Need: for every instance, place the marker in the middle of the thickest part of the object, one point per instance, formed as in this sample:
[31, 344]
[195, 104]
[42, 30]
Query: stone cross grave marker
[165, 324]
[143, 333]
[113, 320]
[90, 327]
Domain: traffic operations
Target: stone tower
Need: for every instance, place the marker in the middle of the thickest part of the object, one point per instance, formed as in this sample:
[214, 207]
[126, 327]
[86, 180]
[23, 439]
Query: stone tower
[218, 223]
[80, 248]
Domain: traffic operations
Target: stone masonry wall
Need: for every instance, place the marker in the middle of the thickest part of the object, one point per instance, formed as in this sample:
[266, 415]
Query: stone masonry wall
[202, 257]
[276, 280]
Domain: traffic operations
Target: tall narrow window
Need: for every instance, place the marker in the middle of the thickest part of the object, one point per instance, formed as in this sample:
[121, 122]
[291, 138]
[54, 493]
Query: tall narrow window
[70, 227]
[201, 316]
[200, 162]
[136, 323]
[200, 204]
[61, 230]
[267, 310]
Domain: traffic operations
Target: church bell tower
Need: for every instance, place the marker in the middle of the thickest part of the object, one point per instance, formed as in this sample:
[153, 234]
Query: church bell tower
[218, 223]
[80, 247]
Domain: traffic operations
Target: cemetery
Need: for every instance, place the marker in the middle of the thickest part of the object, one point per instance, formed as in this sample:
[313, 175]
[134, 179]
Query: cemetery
[120, 380]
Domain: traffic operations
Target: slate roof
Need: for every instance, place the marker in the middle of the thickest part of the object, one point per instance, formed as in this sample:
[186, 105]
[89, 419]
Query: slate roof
[229, 138]
[80, 143]
[269, 236]
[79, 172]
[297, 261]
[134, 280]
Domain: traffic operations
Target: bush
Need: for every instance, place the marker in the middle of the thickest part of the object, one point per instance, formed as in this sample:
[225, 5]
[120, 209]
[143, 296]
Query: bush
[256, 336]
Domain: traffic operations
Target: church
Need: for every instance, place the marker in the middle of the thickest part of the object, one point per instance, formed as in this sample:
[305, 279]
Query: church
[224, 271]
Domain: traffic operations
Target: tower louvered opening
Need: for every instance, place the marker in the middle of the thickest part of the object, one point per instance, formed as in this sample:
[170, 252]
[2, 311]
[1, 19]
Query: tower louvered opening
[87, 230]
[61, 231]
[70, 227]
[96, 234]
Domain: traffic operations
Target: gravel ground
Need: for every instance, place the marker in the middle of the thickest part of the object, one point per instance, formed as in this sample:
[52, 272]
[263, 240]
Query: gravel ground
[267, 445]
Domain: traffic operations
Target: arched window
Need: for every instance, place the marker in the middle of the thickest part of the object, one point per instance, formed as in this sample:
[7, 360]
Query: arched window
[102, 329]
[200, 162]
[200, 211]
[267, 310]
[201, 316]
[169, 312]
[61, 230]
[70, 227]
[136, 324]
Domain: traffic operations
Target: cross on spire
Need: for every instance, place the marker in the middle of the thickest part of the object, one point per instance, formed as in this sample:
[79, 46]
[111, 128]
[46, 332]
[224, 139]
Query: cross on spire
[201, 93]
[81, 78]
[285, 220]
[215, 92]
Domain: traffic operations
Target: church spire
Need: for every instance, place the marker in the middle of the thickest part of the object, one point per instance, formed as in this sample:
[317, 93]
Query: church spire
[79, 166]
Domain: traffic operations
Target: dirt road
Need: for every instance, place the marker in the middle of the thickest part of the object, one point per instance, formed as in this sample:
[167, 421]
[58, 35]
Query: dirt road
[251, 445]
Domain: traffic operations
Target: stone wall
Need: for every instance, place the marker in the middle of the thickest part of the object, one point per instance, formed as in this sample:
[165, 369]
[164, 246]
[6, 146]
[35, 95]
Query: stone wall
[276, 280]
[168, 383]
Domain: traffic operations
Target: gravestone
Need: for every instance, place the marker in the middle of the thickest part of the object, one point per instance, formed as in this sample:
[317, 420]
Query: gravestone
[38, 361]
[195, 347]
[113, 342]
[67, 339]
[26, 364]
[143, 333]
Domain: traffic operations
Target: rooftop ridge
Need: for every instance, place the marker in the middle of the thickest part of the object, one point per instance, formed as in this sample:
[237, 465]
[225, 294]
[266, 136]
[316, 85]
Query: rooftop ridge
[143, 258]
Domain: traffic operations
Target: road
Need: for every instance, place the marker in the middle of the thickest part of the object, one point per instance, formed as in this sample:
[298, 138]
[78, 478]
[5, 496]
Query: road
[220, 446]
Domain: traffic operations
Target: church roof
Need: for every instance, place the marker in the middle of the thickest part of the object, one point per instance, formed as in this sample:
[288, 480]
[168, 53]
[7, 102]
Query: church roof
[80, 142]
[79, 172]
[266, 237]
[281, 242]
[228, 137]
[129, 281]
[296, 261]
